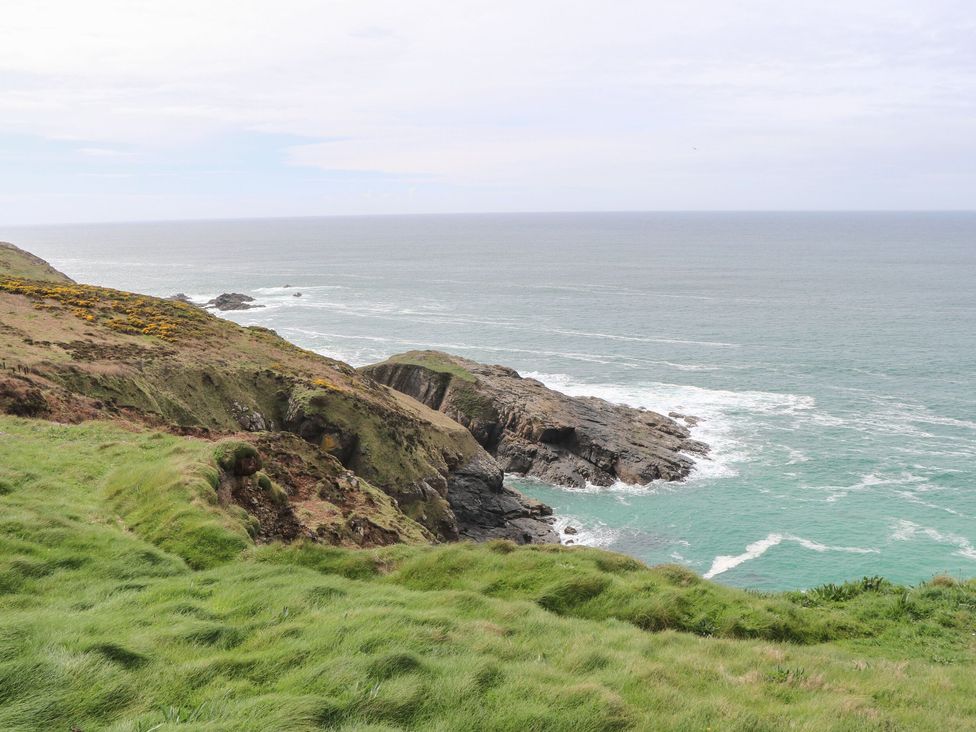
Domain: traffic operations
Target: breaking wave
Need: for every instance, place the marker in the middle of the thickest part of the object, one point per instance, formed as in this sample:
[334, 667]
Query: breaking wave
[725, 562]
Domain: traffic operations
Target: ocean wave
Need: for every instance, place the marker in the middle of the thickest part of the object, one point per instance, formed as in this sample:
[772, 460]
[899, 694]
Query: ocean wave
[725, 562]
[905, 530]
[645, 339]
[290, 291]
[867, 482]
[341, 336]
[725, 415]
[916, 499]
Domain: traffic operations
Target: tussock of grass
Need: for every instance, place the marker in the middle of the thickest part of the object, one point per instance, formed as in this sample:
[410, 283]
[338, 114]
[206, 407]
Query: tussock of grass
[104, 626]
[172, 503]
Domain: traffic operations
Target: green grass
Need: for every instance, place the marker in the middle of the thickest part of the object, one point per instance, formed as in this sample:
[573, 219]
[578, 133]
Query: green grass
[435, 362]
[15, 262]
[466, 399]
[105, 624]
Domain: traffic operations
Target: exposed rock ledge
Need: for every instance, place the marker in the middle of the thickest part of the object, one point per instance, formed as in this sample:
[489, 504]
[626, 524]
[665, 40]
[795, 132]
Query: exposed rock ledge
[533, 430]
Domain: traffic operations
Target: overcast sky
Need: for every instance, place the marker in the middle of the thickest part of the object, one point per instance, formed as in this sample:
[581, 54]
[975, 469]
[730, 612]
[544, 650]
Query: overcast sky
[126, 110]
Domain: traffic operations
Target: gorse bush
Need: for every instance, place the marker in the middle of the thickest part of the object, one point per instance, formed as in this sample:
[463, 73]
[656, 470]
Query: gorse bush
[123, 312]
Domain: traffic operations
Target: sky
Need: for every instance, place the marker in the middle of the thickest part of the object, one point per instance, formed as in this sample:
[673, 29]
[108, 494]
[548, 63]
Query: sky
[120, 110]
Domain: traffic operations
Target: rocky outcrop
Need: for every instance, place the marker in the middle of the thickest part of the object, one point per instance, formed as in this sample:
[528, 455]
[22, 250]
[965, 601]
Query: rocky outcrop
[487, 509]
[232, 301]
[359, 464]
[537, 431]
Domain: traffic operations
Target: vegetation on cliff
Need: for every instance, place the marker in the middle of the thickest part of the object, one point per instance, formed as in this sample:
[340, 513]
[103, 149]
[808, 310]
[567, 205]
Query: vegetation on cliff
[131, 599]
[72, 352]
[206, 532]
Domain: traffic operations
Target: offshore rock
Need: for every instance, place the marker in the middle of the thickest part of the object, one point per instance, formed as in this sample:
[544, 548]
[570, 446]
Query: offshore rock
[232, 301]
[537, 431]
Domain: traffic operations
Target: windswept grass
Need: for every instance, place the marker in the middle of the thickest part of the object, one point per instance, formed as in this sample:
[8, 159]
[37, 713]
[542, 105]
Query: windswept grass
[434, 361]
[105, 626]
[171, 501]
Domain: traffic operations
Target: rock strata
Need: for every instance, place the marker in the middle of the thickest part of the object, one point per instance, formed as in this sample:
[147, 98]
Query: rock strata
[534, 430]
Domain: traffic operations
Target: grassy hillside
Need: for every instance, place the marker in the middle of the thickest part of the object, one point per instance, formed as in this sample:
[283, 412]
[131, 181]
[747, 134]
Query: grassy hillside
[132, 599]
[15, 262]
[71, 352]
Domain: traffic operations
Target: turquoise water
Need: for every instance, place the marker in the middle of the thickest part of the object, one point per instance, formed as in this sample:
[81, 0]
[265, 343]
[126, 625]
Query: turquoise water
[831, 357]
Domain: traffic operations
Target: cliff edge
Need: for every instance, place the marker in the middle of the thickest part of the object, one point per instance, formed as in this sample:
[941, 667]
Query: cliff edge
[537, 431]
[359, 464]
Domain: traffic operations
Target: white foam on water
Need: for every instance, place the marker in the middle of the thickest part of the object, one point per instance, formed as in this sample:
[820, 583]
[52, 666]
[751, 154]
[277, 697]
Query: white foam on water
[319, 334]
[645, 339]
[198, 298]
[914, 498]
[290, 291]
[725, 562]
[723, 414]
[904, 530]
[796, 456]
[593, 534]
[867, 482]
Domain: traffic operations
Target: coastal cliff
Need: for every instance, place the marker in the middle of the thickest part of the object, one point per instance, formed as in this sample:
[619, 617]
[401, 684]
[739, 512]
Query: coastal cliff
[359, 464]
[205, 527]
[534, 430]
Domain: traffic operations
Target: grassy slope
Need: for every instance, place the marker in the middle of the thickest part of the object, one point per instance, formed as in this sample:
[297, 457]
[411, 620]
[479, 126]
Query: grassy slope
[18, 263]
[179, 366]
[434, 361]
[105, 624]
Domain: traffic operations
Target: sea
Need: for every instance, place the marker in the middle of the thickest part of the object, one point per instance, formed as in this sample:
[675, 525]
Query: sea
[831, 357]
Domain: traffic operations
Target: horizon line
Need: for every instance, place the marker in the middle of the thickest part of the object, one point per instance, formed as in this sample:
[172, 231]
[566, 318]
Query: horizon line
[431, 214]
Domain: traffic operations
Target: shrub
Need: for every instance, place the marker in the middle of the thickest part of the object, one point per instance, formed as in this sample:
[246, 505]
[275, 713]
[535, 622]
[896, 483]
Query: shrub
[238, 458]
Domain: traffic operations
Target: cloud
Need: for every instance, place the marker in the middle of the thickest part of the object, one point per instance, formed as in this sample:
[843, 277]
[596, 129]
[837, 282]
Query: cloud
[648, 104]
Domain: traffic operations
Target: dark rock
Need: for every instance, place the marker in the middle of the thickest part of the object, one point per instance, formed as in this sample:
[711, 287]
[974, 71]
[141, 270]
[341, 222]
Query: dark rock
[250, 419]
[570, 530]
[688, 419]
[536, 431]
[232, 301]
[297, 294]
[487, 509]
[181, 297]
[466, 499]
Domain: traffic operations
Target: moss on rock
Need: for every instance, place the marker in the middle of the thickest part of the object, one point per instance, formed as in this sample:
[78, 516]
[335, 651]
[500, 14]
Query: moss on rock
[238, 458]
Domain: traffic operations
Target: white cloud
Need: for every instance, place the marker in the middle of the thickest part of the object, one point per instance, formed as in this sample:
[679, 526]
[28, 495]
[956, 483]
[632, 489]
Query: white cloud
[600, 99]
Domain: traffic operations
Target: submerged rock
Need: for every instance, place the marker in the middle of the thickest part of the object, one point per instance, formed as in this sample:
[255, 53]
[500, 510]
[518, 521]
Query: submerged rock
[232, 301]
[537, 431]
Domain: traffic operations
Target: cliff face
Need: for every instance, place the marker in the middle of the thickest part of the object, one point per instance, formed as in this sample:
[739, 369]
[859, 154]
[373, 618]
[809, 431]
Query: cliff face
[540, 432]
[73, 352]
